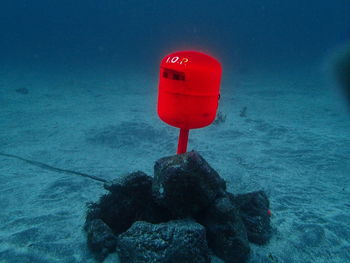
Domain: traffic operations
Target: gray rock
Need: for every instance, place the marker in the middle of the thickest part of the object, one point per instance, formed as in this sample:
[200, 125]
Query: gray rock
[226, 233]
[186, 184]
[172, 242]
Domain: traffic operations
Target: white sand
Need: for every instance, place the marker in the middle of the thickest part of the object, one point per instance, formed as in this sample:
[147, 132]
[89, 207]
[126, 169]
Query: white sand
[294, 143]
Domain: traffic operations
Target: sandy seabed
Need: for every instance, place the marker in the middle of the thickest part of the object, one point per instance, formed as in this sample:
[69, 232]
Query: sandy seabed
[285, 133]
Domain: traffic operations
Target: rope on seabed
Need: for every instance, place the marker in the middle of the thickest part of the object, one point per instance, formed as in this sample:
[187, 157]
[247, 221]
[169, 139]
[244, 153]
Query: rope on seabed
[55, 169]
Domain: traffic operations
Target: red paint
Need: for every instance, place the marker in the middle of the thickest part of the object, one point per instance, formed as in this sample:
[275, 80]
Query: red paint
[188, 94]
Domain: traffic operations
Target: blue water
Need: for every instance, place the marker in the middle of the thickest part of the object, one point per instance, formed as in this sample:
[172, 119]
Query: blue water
[78, 90]
[137, 33]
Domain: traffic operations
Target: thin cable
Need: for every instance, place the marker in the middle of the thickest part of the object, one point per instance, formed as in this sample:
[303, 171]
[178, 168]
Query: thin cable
[55, 169]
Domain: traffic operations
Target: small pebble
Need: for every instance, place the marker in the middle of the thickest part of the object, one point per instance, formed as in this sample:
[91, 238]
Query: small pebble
[22, 91]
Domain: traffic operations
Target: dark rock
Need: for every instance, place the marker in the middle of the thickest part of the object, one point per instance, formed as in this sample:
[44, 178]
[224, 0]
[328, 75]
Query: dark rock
[172, 242]
[254, 210]
[23, 91]
[186, 184]
[138, 183]
[129, 200]
[100, 238]
[243, 112]
[226, 233]
[220, 118]
[342, 71]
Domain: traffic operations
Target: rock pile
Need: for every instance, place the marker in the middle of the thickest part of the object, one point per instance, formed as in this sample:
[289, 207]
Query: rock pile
[182, 214]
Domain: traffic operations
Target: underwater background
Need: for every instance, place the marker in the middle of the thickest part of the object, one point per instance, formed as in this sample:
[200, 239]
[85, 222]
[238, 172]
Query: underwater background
[78, 91]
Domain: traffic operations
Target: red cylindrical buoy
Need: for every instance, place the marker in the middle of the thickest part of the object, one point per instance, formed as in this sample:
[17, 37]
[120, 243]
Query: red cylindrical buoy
[188, 93]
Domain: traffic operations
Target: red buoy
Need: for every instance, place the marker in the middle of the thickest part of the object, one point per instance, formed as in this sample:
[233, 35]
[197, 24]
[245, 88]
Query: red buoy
[188, 93]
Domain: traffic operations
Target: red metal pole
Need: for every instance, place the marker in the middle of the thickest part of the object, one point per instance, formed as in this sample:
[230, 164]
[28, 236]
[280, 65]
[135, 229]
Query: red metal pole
[183, 139]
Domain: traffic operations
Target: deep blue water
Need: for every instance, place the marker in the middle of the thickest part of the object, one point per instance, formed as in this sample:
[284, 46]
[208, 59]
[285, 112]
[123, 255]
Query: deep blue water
[138, 33]
[78, 91]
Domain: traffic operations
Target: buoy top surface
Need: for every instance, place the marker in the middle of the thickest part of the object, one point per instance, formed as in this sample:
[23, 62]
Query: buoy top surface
[198, 73]
[190, 60]
[189, 87]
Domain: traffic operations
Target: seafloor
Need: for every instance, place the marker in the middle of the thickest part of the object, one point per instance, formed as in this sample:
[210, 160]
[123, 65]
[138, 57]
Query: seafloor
[286, 132]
